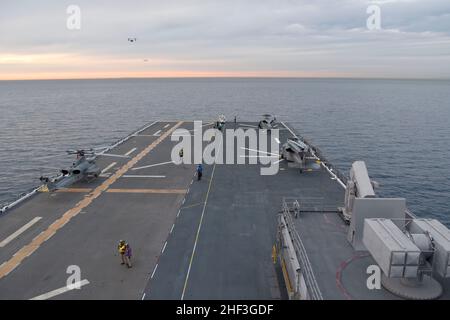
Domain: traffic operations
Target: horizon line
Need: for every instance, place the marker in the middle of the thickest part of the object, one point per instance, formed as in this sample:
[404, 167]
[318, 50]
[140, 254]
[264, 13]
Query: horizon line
[228, 77]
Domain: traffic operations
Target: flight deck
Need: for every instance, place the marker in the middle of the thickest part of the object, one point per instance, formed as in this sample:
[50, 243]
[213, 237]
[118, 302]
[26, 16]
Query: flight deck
[208, 239]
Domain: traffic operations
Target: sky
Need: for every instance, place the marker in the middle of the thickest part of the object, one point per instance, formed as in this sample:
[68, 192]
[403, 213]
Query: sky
[224, 38]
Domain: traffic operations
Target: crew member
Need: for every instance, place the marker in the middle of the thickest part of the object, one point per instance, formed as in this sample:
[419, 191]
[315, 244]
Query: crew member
[199, 171]
[125, 253]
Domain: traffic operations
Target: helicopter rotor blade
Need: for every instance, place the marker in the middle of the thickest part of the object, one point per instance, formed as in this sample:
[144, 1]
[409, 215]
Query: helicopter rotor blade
[113, 155]
[100, 148]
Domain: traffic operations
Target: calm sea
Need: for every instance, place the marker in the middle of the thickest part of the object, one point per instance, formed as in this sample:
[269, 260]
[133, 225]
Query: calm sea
[401, 128]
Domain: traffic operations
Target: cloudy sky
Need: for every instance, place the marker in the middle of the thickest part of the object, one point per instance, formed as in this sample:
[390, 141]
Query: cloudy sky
[293, 38]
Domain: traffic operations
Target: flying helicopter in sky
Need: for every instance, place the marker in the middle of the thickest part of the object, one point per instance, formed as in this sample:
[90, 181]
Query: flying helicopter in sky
[84, 168]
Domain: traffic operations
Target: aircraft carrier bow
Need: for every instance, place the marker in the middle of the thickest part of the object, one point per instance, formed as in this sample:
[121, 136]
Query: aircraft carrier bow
[307, 232]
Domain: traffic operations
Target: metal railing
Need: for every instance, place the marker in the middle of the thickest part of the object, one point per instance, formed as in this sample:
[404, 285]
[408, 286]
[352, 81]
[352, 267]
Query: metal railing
[341, 176]
[305, 265]
[311, 204]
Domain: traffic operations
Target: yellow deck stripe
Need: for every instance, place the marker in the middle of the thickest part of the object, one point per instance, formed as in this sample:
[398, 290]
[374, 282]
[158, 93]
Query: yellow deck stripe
[176, 191]
[28, 249]
[287, 281]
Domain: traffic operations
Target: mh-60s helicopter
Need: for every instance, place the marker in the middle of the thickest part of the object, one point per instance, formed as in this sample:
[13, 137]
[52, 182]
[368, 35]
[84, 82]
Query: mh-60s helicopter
[84, 168]
[299, 155]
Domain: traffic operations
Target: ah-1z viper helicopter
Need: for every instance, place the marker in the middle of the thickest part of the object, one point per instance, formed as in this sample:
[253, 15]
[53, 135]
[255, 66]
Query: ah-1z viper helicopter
[84, 168]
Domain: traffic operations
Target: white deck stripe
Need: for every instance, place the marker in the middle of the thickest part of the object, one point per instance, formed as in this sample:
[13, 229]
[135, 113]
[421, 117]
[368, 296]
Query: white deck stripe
[261, 151]
[154, 270]
[166, 125]
[108, 167]
[200, 223]
[130, 152]
[19, 232]
[164, 248]
[152, 165]
[157, 133]
[62, 290]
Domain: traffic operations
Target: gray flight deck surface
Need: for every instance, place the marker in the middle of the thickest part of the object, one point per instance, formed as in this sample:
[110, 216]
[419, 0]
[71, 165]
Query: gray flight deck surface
[89, 239]
[208, 239]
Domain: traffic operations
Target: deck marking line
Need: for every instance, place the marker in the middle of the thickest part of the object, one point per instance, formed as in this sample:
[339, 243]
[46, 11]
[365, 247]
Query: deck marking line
[19, 231]
[166, 125]
[200, 224]
[171, 229]
[144, 128]
[154, 270]
[198, 232]
[178, 213]
[143, 296]
[261, 151]
[26, 250]
[62, 290]
[130, 152]
[108, 167]
[157, 133]
[164, 248]
[152, 165]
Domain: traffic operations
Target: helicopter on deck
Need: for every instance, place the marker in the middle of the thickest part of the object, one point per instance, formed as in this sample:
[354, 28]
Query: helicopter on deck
[220, 123]
[84, 168]
[268, 122]
[299, 155]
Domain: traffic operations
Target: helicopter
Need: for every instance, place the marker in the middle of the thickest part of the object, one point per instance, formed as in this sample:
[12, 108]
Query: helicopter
[84, 168]
[220, 123]
[299, 153]
[268, 122]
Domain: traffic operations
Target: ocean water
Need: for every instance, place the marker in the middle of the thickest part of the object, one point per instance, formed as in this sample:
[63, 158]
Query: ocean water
[401, 128]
